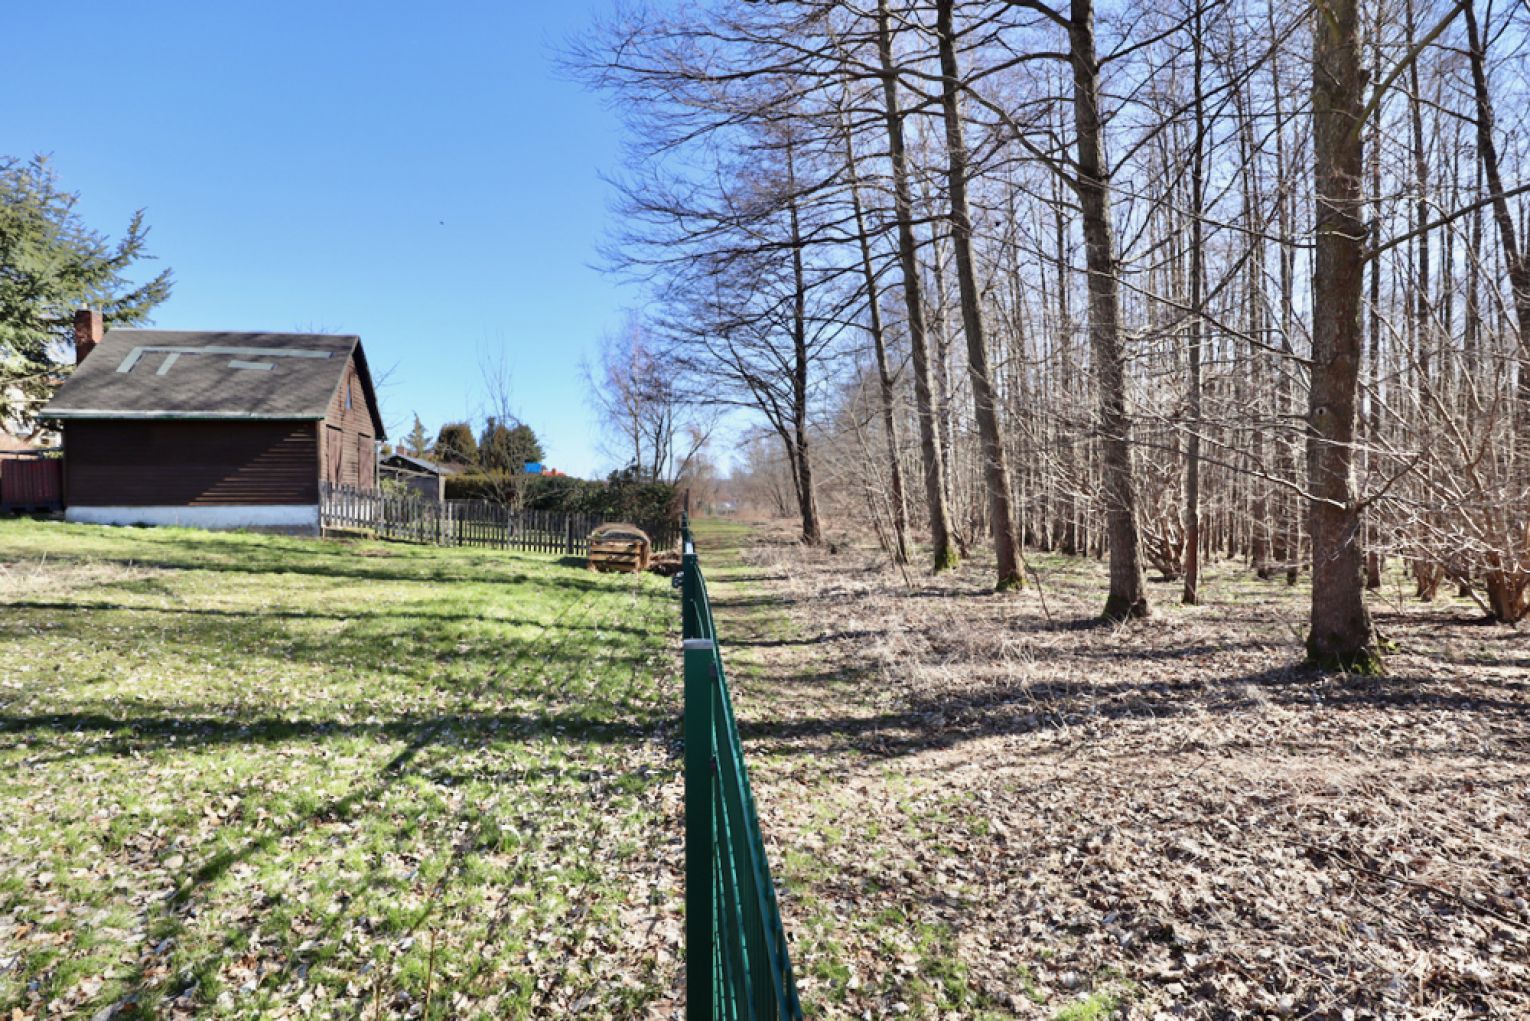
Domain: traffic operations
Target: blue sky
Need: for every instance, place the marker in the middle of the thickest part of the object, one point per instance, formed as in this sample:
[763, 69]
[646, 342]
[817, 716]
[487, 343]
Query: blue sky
[421, 175]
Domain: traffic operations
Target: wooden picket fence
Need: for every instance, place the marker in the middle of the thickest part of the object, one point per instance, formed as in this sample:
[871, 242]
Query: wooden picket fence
[409, 518]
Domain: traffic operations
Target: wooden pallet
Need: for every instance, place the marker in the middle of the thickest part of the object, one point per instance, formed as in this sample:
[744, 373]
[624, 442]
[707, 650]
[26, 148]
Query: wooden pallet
[630, 555]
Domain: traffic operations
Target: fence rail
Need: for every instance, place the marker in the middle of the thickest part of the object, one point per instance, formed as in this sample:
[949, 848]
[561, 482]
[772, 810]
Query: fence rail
[411, 518]
[737, 966]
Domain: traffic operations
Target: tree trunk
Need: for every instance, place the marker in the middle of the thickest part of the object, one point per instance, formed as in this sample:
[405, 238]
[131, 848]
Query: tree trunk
[1340, 634]
[1373, 419]
[995, 462]
[884, 372]
[1128, 597]
[1288, 527]
[1191, 594]
[1518, 266]
[807, 498]
[943, 552]
[1066, 529]
[1507, 582]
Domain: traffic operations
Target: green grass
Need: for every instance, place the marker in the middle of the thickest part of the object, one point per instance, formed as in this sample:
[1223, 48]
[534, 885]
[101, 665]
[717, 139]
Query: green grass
[243, 774]
[1097, 1006]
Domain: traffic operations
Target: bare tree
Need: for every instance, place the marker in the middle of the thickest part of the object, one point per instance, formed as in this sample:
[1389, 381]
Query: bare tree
[943, 550]
[995, 468]
[654, 430]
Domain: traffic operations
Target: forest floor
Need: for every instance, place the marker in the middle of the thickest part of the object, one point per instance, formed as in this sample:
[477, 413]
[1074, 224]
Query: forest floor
[984, 805]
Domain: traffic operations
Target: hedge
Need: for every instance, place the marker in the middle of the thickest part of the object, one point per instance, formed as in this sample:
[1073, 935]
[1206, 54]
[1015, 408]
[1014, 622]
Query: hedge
[618, 498]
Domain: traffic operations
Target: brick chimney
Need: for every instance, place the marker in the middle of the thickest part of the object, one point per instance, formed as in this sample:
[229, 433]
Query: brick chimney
[88, 328]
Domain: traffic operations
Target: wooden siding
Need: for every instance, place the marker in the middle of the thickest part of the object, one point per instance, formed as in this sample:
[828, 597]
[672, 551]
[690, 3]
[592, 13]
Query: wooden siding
[33, 483]
[186, 463]
[350, 445]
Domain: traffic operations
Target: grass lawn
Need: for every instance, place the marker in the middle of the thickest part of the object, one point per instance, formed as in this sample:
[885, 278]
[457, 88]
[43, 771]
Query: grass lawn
[251, 776]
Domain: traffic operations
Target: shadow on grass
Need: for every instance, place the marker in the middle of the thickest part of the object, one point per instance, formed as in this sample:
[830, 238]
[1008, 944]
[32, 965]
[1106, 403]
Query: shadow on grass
[173, 550]
[417, 615]
[428, 642]
[136, 735]
[820, 639]
[752, 602]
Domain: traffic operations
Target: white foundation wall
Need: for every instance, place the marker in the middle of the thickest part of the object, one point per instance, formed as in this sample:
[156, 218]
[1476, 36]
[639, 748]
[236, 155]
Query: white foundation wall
[301, 518]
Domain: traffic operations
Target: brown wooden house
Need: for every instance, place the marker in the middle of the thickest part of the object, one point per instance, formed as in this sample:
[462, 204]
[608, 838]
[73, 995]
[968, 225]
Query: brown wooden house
[213, 430]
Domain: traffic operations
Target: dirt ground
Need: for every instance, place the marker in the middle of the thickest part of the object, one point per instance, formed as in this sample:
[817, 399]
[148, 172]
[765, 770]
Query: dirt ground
[990, 806]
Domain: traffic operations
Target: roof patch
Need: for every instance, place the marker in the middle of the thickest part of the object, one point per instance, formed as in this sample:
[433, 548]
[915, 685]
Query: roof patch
[136, 354]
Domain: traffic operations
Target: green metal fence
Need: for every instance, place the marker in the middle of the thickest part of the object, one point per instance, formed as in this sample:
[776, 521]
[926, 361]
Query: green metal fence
[735, 948]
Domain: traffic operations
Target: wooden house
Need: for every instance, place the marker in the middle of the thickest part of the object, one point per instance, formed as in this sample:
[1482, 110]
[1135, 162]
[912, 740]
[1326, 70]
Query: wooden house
[211, 429]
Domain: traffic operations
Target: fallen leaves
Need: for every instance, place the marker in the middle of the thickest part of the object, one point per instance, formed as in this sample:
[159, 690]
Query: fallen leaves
[978, 808]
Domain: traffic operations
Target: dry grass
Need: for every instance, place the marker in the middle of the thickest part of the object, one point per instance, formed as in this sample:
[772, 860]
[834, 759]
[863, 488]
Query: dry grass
[980, 808]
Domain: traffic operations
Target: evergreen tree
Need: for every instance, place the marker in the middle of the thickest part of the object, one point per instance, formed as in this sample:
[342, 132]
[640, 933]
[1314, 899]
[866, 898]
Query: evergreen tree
[418, 441]
[51, 264]
[455, 444]
[508, 448]
[524, 446]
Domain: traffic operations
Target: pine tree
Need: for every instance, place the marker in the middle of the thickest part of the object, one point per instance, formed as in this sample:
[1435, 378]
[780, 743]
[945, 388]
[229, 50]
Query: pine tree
[508, 448]
[418, 441]
[455, 444]
[53, 264]
[525, 446]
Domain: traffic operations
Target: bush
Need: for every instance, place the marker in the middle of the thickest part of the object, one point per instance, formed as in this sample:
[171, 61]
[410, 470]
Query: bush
[564, 493]
[499, 486]
[631, 499]
[619, 498]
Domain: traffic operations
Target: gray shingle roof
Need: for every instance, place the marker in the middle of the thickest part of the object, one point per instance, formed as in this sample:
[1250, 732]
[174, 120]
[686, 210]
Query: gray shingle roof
[421, 464]
[208, 375]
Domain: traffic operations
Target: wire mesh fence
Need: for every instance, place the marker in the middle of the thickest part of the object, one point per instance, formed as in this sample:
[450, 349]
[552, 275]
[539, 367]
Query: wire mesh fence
[737, 965]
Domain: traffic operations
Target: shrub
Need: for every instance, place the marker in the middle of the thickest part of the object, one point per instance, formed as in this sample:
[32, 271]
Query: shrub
[499, 486]
[619, 498]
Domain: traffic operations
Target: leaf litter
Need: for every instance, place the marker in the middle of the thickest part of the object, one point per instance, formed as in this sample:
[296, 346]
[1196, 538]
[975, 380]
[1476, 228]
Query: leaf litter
[980, 807]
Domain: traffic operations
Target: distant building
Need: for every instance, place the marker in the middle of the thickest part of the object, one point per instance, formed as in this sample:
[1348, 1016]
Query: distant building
[17, 446]
[538, 468]
[423, 477]
[212, 429]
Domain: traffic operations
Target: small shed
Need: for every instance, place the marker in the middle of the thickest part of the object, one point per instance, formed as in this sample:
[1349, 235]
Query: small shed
[213, 429]
[619, 547]
[424, 478]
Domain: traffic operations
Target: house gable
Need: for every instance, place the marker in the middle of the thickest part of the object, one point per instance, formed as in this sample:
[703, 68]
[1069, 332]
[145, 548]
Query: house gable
[350, 430]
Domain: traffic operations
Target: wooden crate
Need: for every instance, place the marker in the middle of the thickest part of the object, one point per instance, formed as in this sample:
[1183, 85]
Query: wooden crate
[619, 549]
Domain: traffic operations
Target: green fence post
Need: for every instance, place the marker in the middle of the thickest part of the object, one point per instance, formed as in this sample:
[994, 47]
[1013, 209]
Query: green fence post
[737, 964]
[700, 938]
